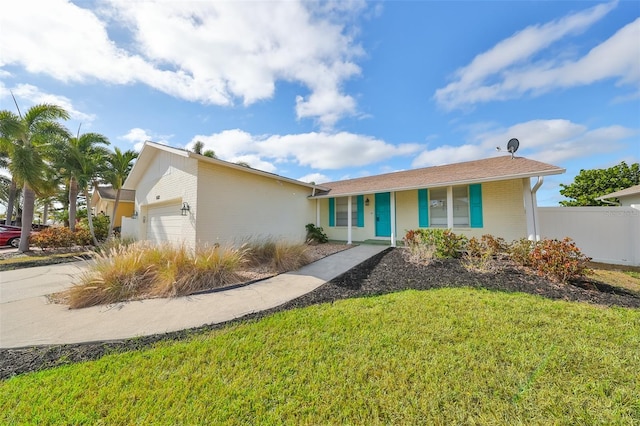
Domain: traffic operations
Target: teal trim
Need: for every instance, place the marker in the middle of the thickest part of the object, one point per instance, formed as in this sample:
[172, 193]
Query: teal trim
[423, 208]
[360, 201]
[475, 205]
[332, 212]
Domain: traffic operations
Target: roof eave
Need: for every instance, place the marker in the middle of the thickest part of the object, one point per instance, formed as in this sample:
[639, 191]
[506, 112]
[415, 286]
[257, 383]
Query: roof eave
[142, 163]
[449, 183]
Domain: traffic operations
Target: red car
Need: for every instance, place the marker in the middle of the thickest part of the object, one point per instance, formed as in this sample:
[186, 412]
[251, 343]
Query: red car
[9, 236]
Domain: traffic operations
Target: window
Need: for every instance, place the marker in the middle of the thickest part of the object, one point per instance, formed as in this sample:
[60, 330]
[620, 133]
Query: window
[438, 207]
[342, 211]
[461, 206]
[466, 207]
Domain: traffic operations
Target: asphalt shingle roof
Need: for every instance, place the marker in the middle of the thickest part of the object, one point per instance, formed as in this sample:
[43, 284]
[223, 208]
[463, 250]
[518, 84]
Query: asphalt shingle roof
[108, 193]
[490, 169]
[629, 191]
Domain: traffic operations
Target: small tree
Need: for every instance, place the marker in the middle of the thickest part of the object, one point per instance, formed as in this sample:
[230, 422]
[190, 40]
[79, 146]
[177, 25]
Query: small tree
[120, 164]
[591, 184]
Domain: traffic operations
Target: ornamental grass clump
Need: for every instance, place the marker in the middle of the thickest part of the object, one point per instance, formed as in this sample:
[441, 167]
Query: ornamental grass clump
[116, 275]
[142, 270]
[277, 256]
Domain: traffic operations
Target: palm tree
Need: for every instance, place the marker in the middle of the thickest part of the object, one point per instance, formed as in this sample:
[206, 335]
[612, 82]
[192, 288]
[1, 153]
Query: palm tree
[10, 196]
[120, 164]
[82, 163]
[27, 138]
[10, 188]
[198, 148]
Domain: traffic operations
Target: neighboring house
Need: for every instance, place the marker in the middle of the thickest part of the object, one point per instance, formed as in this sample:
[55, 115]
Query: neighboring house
[628, 197]
[104, 198]
[185, 197]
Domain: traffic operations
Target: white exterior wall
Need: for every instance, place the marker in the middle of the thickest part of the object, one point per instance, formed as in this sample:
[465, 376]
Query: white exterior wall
[630, 200]
[606, 234]
[235, 206]
[169, 179]
[130, 228]
[502, 205]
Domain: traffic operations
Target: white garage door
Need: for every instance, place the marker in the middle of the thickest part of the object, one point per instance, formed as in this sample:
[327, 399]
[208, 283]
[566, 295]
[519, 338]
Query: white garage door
[164, 224]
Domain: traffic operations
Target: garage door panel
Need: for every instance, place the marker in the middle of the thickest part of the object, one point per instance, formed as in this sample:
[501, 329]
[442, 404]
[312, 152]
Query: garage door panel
[165, 224]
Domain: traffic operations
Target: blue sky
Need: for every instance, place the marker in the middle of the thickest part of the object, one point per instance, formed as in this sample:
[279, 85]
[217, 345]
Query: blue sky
[322, 91]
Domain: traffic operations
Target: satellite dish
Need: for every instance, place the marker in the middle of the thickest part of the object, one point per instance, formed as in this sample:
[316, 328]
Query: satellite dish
[512, 146]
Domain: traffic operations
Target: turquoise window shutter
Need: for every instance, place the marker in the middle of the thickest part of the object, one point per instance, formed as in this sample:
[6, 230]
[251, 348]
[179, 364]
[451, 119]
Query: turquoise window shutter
[332, 212]
[475, 205]
[423, 208]
[360, 201]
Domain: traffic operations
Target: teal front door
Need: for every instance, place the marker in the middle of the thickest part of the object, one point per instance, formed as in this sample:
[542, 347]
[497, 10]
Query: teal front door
[383, 215]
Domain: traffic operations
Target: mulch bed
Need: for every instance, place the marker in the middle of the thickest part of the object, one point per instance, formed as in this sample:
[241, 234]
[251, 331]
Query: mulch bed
[384, 273]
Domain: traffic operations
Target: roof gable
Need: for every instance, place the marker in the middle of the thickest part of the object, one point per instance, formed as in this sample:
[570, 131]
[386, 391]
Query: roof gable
[150, 150]
[486, 170]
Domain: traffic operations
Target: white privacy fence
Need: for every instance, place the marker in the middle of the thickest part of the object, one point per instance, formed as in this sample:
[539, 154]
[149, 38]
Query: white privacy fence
[129, 228]
[606, 234]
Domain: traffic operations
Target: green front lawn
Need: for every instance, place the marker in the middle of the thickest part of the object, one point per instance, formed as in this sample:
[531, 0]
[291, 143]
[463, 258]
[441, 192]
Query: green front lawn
[449, 356]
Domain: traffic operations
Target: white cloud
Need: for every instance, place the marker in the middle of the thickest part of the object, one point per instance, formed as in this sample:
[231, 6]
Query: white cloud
[447, 154]
[138, 136]
[28, 95]
[206, 51]
[509, 69]
[34, 96]
[315, 177]
[550, 141]
[255, 162]
[317, 150]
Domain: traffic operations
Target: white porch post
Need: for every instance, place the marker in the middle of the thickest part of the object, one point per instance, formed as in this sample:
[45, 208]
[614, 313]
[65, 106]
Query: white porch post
[317, 212]
[450, 207]
[349, 241]
[392, 207]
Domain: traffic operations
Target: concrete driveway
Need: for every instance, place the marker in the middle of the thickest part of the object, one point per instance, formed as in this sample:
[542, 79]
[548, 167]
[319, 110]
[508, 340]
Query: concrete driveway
[28, 319]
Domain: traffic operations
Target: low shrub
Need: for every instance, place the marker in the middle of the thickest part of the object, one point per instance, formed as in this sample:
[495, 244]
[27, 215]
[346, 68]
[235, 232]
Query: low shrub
[53, 238]
[315, 234]
[100, 226]
[480, 253]
[83, 237]
[477, 255]
[520, 251]
[497, 246]
[559, 260]
[427, 244]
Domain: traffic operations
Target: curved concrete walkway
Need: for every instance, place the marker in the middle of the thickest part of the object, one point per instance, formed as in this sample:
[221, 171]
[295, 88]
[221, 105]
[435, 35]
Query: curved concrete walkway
[28, 319]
